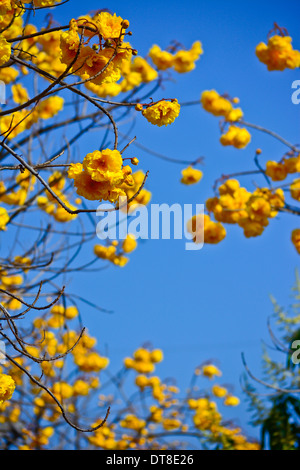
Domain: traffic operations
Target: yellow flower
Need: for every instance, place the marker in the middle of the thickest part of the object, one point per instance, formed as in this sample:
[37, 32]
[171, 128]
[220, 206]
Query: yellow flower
[211, 371]
[215, 103]
[162, 113]
[93, 190]
[156, 414]
[104, 252]
[218, 391]
[132, 422]
[184, 61]
[129, 244]
[143, 362]
[75, 169]
[229, 187]
[276, 171]
[7, 387]
[14, 124]
[141, 66]
[258, 208]
[4, 218]
[296, 239]
[104, 438]
[90, 362]
[230, 400]
[169, 424]
[69, 43]
[213, 232]
[234, 115]
[8, 75]
[278, 54]
[5, 50]
[101, 176]
[142, 381]
[120, 260]
[19, 93]
[49, 107]
[80, 388]
[191, 175]
[143, 197]
[45, 3]
[91, 63]
[162, 59]
[295, 189]
[236, 136]
[71, 312]
[105, 89]
[292, 164]
[156, 355]
[104, 166]
[5, 6]
[252, 228]
[110, 26]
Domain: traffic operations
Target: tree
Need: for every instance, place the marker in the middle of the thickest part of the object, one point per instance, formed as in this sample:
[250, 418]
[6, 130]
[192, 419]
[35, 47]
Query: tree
[274, 402]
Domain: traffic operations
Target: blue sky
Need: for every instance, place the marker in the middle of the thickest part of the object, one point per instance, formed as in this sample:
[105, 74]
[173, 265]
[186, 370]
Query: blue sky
[211, 304]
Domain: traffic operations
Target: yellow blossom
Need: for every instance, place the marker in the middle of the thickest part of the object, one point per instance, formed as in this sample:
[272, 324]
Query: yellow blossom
[230, 400]
[215, 103]
[19, 93]
[236, 136]
[219, 391]
[278, 53]
[5, 50]
[129, 244]
[276, 171]
[110, 26]
[49, 107]
[191, 175]
[162, 59]
[184, 61]
[7, 387]
[4, 218]
[296, 239]
[210, 371]
[162, 113]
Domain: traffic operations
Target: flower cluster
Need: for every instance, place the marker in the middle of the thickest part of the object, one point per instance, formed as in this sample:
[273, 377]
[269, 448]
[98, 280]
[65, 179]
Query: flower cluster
[5, 51]
[135, 193]
[4, 218]
[162, 113]
[51, 205]
[13, 125]
[10, 283]
[101, 61]
[278, 53]
[115, 253]
[219, 105]
[101, 175]
[278, 171]
[182, 61]
[137, 70]
[296, 239]
[143, 360]
[7, 387]
[238, 137]
[203, 229]
[251, 211]
[191, 175]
